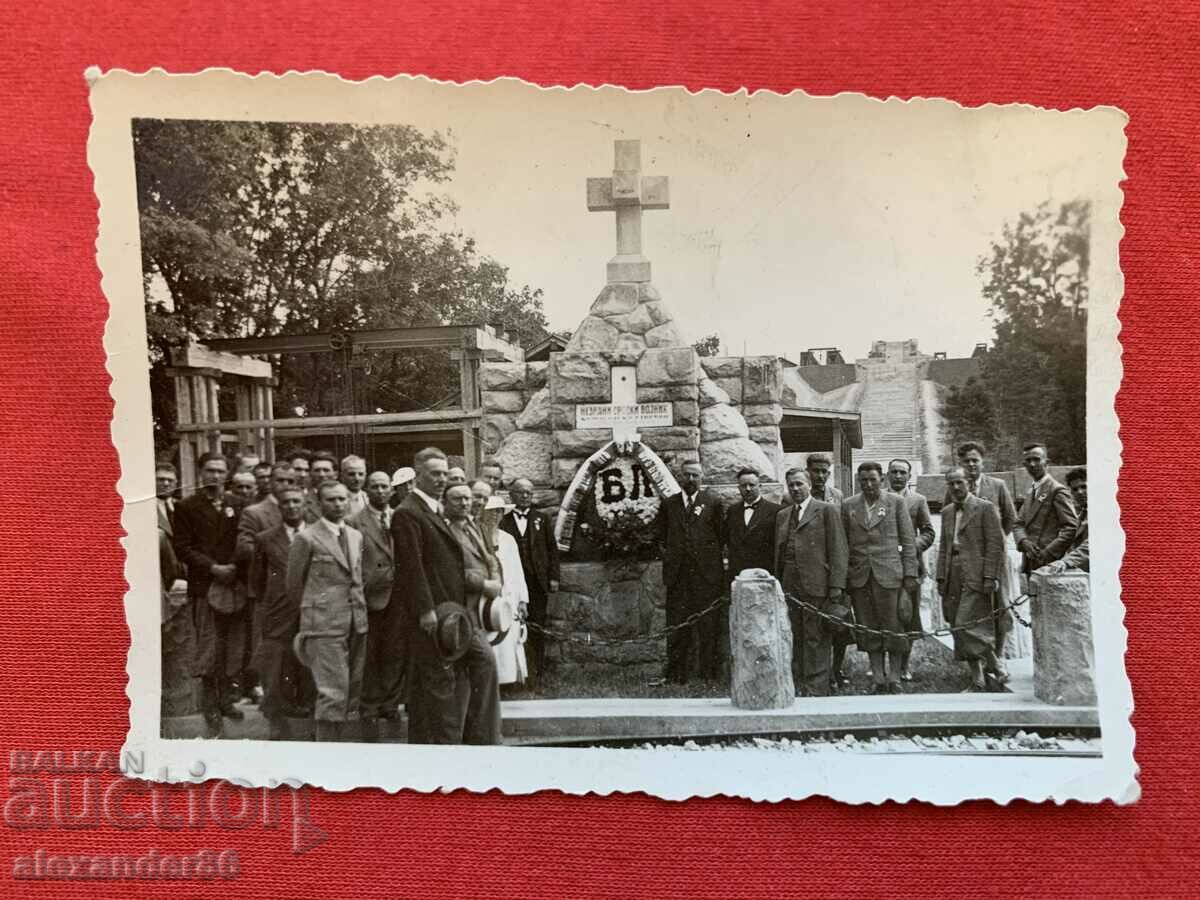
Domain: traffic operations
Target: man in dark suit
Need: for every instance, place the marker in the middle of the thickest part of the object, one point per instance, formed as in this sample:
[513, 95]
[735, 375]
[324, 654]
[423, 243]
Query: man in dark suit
[820, 471]
[432, 571]
[995, 491]
[1047, 523]
[883, 563]
[534, 533]
[899, 472]
[383, 673]
[264, 514]
[287, 685]
[1077, 556]
[206, 542]
[749, 534]
[324, 581]
[689, 527]
[810, 557]
[970, 557]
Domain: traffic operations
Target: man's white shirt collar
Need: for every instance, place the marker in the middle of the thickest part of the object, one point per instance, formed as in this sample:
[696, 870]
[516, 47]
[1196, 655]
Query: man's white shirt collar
[802, 507]
[1037, 485]
[334, 528]
[434, 506]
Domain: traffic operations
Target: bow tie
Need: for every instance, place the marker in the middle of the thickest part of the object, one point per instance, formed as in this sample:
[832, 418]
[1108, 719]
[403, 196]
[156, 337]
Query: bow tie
[519, 514]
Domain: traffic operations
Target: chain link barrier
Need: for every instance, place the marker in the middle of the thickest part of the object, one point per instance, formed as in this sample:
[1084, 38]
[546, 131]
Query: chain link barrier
[944, 631]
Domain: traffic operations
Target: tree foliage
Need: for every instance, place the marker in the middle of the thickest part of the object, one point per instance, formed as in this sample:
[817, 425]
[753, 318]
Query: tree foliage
[1035, 278]
[263, 228]
[709, 345]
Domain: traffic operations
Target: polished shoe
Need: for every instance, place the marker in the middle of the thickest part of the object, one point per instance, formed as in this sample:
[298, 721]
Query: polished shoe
[895, 688]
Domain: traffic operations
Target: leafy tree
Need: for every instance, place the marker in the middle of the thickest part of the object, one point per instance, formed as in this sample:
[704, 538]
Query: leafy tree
[261, 228]
[970, 414]
[1036, 280]
[709, 345]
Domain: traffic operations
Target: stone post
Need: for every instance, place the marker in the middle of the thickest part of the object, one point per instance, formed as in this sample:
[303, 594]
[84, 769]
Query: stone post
[1064, 659]
[760, 642]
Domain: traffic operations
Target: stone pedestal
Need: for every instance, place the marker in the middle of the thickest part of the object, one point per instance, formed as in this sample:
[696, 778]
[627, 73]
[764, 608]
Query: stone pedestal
[608, 600]
[760, 642]
[180, 688]
[1064, 664]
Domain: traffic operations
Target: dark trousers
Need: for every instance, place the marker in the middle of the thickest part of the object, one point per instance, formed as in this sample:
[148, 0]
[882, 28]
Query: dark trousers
[228, 637]
[876, 606]
[452, 703]
[914, 620]
[812, 646]
[383, 674]
[694, 652]
[535, 643]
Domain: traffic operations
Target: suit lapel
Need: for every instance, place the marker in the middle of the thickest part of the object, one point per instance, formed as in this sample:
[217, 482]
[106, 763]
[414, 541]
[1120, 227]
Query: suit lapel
[810, 513]
[869, 520]
[321, 535]
[375, 530]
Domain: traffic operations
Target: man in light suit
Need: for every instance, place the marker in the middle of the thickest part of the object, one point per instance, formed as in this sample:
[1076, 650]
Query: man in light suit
[287, 685]
[482, 577]
[995, 491]
[534, 533]
[811, 558]
[432, 571]
[689, 527]
[324, 580]
[749, 532]
[883, 563]
[383, 671]
[899, 472]
[970, 557]
[1047, 522]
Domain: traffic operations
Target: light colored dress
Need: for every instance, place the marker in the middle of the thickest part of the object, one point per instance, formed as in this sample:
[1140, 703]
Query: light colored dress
[509, 649]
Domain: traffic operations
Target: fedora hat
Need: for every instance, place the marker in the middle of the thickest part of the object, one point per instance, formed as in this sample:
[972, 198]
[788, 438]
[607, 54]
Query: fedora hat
[454, 630]
[497, 617]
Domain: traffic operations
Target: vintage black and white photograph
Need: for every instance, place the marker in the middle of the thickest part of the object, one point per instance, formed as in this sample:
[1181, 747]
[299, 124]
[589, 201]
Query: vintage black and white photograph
[598, 440]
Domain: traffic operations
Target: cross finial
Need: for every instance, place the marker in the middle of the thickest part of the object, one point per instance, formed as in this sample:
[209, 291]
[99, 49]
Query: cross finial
[628, 192]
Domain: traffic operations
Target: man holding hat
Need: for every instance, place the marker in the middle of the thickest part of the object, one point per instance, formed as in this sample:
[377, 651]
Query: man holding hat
[431, 584]
[325, 582]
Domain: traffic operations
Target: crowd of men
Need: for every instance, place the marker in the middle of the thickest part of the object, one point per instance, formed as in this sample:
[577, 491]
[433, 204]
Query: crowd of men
[852, 567]
[321, 591]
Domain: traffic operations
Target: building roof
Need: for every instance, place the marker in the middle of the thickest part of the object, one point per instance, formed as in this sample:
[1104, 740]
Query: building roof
[802, 400]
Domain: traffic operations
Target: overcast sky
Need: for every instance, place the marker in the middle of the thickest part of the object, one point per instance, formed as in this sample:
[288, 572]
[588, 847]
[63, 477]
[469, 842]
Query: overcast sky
[794, 222]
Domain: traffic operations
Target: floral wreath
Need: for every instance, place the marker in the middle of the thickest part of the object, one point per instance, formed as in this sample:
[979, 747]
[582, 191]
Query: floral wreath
[623, 509]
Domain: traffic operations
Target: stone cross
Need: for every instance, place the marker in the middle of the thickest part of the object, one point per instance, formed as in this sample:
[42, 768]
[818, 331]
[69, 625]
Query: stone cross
[627, 193]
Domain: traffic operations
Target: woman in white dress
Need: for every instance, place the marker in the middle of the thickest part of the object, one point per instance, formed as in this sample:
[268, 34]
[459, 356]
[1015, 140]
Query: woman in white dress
[508, 644]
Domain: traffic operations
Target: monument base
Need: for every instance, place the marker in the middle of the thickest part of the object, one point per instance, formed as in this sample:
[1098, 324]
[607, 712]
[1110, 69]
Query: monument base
[607, 600]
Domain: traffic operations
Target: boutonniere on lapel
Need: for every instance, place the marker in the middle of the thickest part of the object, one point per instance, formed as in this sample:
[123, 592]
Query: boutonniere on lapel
[1042, 495]
[881, 512]
[537, 524]
[698, 509]
[229, 511]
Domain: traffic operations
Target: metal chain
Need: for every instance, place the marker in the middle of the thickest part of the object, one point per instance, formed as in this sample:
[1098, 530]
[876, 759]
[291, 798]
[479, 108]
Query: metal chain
[637, 639]
[944, 631]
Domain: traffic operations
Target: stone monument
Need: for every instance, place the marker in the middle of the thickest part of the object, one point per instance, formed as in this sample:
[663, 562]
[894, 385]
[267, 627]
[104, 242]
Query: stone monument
[1064, 655]
[604, 424]
[760, 643]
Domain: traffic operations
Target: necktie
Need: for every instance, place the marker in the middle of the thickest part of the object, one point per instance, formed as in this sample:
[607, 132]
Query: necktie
[344, 541]
[383, 519]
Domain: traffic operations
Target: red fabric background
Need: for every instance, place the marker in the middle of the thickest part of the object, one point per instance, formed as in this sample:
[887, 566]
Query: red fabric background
[63, 640]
